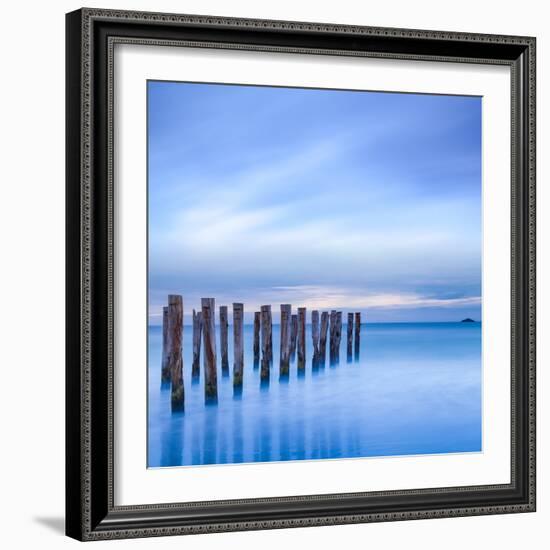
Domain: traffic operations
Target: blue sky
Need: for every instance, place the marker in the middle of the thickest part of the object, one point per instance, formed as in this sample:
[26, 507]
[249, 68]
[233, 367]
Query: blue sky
[320, 198]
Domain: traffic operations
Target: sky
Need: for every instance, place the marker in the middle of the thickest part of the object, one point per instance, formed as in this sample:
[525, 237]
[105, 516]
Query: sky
[328, 199]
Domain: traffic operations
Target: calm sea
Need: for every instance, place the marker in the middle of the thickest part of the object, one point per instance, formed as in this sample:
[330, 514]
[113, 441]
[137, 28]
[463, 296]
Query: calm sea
[415, 389]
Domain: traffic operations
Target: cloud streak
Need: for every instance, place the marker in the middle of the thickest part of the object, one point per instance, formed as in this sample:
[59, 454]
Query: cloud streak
[372, 199]
[327, 298]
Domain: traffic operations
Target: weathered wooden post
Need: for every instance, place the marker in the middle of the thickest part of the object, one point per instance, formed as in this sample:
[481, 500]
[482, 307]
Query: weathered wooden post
[256, 338]
[175, 361]
[357, 333]
[238, 346]
[267, 332]
[197, 334]
[293, 336]
[323, 338]
[332, 336]
[165, 368]
[350, 336]
[301, 338]
[264, 372]
[224, 323]
[266, 341]
[284, 351]
[209, 341]
[270, 335]
[337, 336]
[315, 334]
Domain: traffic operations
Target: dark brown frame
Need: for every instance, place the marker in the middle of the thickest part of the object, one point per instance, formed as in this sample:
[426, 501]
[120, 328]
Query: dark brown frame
[91, 36]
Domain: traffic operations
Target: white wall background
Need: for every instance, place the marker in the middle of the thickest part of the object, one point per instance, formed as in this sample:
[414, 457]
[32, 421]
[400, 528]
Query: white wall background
[32, 272]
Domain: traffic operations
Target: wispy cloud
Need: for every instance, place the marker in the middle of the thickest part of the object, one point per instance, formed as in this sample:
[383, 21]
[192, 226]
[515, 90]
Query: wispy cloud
[318, 297]
[326, 298]
[339, 199]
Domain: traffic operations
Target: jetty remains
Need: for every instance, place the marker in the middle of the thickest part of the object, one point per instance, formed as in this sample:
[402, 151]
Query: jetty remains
[174, 346]
[238, 346]
[256, 349]
[285, 337]
[324, 326]
[349, 337]
[301, 338]
[267, 342]
[165, 368]
[197, 334]
[357, 334]
[209, 341]
[224, 325]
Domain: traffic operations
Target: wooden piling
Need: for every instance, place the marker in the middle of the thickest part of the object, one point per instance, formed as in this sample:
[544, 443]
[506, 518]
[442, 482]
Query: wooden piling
[315, 334]
[332, 336]
[293, 336]
[284, 351]
[270, 335]
[323, 337]
[350, 336]
[224, 324]
[175, 361]
[209, 341]
[357, 333]
[301, 338]
[165, 368]
[256, 338]
[266, 331]
[337, 336]
[197, 334]
[238, 345]
[264, 372]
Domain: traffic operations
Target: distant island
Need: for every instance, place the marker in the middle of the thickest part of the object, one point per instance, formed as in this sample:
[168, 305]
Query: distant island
[467, 320]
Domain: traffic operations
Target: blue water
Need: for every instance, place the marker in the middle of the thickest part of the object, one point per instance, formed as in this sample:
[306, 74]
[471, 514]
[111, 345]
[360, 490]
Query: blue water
[415, 389]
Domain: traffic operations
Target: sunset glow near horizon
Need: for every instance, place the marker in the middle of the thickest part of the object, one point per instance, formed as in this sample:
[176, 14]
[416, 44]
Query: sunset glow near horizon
[357, 201]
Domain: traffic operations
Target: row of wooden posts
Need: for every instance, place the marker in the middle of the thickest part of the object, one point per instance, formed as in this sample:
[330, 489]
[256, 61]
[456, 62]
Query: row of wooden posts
[292, 342]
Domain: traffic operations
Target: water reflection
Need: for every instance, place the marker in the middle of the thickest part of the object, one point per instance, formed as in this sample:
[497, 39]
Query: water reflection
[284, 438]
[196, 444]
[210, 435]
[238, 436]
[172, 442]
[417, 390]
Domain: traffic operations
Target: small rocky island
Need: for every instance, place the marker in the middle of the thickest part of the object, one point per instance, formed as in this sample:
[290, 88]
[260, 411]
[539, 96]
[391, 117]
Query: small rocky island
[467, 320]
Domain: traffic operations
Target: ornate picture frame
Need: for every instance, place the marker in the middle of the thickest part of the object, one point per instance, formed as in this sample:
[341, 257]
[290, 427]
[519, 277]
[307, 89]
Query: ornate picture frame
[91, 509]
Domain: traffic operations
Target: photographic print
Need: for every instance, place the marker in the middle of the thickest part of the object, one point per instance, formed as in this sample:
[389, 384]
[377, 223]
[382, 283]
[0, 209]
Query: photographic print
[314, 274]
[300, 274]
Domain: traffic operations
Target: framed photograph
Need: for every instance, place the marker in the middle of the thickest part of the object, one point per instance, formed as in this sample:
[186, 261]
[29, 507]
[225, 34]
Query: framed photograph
[300, 274]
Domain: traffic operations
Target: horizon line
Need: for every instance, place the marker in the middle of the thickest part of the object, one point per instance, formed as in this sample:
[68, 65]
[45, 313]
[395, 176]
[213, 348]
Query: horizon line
[366, 323]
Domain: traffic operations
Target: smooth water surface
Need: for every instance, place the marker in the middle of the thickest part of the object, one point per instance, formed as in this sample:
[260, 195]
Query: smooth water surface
[415, 389]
